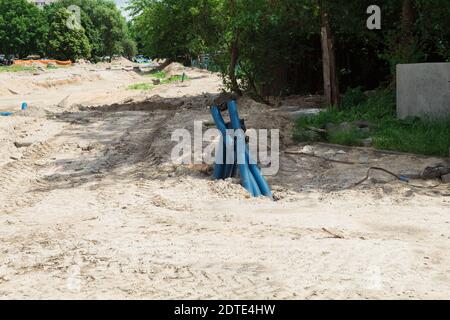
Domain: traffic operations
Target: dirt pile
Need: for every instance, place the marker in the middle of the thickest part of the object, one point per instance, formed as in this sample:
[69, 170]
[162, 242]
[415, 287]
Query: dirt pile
[262, 116]
[122, 62]
[174, 69]
[5, 91]
[70, 80]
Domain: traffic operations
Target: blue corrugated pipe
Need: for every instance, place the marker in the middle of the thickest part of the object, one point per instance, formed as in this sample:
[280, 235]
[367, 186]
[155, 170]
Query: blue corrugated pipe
[260, 185]
[224, 170]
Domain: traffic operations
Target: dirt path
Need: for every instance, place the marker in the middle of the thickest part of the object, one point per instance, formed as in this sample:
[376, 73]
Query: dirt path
[93, 208]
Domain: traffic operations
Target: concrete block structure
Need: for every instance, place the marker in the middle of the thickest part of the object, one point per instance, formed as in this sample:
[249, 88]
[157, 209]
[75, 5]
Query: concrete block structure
[423, 90]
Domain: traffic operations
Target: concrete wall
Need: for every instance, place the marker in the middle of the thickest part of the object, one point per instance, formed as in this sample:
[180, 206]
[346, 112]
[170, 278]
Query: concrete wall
[423, 89]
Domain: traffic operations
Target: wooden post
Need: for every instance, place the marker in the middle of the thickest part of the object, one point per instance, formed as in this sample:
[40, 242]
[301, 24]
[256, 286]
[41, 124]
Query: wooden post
[330, 79]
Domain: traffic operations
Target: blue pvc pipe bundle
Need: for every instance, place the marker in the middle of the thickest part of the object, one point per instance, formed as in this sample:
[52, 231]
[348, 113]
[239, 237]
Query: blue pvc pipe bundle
[251, 177]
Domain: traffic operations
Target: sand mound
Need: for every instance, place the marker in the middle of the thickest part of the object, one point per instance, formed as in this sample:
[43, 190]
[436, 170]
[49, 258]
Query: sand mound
[15, 86]
[174, 69]
[123, 62]
[76, 79]
[261, 116]
[5, 92]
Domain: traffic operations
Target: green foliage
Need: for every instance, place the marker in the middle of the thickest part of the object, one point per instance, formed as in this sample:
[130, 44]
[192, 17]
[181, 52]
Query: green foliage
[353, 97]
[163, 76]
[302, 134]
[16, 68]
[432, 29]
[22, 28]
[176, 78]
[350, 137]
[62, 42]
[278, 42]
[389, 133]
[176, 29]
[105, 27]
[159, 75]
[418, 136]
[430, 35]
[129, 47]
[141, 86]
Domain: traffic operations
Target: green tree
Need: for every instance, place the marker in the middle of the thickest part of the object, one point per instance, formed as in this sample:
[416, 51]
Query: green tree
[176, 29]
[63, 42]
[129, 47]
[273, 47]
[22, 28]
[105, 27]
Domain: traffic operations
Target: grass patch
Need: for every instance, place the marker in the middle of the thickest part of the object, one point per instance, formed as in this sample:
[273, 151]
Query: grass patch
[175, 79]
[141, 86]
[16, 68]
[164, 80]
[159, 75]
[415, 135]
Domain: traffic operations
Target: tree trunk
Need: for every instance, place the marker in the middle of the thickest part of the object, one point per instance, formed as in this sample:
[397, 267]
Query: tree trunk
[407, 35]
[330, 78]
[407, 18]
[233, 64]
[234, 53]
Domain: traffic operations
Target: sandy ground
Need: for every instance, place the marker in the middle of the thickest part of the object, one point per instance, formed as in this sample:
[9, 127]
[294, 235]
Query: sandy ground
[92, 207]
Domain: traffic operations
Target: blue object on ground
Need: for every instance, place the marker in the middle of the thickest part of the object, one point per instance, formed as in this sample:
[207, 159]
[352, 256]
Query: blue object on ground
[250, 174]
[5, 114]
[260, 180]
[247, 181]
[222, 170]
[404, 179]
[220, 155]
[260, 184]
[256, 192]
[24, 106]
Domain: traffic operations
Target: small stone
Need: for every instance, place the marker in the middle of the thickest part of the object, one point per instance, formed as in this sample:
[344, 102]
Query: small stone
[308, 150]
[22, 144]
[85, 146]
[341, 152]
[363, 159]
[40, 163]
